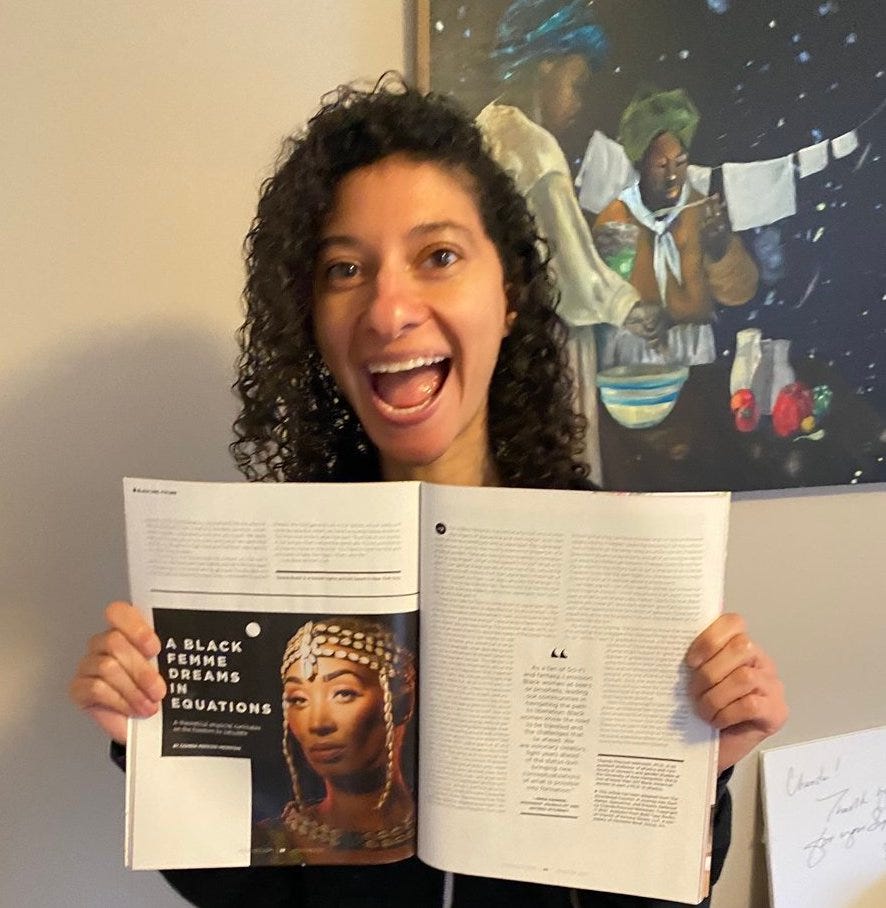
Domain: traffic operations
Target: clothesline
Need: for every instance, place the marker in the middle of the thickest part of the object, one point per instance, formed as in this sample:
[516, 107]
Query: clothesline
[756, 193]
[873, 115]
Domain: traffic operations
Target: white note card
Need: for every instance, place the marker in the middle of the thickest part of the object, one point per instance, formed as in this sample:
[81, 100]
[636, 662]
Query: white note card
[825, 812]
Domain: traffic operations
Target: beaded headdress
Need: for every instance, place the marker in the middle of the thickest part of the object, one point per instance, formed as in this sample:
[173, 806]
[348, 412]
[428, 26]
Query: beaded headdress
[364, 643]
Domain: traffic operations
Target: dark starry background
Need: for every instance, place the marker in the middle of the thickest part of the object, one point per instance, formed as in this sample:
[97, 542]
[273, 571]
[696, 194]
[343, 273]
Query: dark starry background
[768, 78]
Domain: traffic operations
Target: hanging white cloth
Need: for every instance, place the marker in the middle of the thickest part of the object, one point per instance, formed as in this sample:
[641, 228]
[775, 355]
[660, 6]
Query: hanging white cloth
[665, 255]
[699, 178]
[845, 144]
[760, 192]
[813, 159]
[605, 171]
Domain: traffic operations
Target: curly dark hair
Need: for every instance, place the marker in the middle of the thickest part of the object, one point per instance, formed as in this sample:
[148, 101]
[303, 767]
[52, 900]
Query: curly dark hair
[295, 424]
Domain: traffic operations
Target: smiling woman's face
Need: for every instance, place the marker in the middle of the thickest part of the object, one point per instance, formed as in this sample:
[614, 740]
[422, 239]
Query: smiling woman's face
[410, 311]
[337, 717]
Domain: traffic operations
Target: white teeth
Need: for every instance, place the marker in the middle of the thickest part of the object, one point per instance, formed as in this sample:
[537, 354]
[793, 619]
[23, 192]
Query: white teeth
[405, 365]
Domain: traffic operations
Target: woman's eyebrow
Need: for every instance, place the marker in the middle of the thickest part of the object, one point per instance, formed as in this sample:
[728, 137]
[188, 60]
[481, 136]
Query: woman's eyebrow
[339, 672]
[345, 239]
[435, 226]
[342, 239]
[295, 679]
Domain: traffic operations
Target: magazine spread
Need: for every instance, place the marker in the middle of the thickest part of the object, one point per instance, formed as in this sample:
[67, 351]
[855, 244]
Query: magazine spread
[557, 738]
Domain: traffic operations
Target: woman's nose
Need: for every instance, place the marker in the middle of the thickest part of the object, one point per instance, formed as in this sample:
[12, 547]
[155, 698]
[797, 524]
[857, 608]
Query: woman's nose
[320, 720]
[396, 304]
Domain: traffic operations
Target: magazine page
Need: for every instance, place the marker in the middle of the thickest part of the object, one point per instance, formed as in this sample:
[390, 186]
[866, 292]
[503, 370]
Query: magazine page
[287, 620]
[558, 742]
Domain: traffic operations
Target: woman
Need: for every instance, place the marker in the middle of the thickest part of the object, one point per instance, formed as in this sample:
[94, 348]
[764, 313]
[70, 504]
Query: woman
[348, 696]
[401, 325]
[545, 52]
[682, 255]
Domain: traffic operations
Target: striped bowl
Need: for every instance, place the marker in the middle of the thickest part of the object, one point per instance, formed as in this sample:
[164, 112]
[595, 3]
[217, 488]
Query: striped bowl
[640, 396]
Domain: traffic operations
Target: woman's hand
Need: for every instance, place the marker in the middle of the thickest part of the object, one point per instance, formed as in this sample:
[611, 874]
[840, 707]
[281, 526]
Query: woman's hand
[115, 679]
[716, 230]
[735, 687]
[649, 321]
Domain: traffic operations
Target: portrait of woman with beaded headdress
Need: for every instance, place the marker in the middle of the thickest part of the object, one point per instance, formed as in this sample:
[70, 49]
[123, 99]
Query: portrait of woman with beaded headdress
[348, 697]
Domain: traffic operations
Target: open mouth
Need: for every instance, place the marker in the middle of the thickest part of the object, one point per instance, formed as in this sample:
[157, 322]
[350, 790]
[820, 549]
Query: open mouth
[409, 385]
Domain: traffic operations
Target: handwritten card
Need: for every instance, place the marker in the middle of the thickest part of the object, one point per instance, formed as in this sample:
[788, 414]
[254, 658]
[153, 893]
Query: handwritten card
[825, 809]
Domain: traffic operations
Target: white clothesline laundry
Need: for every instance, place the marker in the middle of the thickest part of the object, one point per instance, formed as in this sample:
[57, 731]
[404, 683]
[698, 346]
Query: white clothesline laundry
[757, 193]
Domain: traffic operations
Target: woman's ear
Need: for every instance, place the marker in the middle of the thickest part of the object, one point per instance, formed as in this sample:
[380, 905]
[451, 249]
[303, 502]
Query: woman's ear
[511, 301]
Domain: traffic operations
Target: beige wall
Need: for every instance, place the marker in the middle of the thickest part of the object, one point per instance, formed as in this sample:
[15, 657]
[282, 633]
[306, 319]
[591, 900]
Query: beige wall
[809, 573]
[135, 137]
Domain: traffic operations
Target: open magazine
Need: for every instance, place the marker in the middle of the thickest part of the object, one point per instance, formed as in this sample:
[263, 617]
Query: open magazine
[557, 740]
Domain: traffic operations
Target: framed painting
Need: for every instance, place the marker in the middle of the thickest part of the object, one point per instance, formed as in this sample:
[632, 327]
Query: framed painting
[709, 178]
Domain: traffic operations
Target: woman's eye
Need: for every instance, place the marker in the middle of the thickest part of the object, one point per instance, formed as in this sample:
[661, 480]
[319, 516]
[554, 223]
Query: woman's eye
[443, 258]
[345, 695]
[341, 271]
[296, 701]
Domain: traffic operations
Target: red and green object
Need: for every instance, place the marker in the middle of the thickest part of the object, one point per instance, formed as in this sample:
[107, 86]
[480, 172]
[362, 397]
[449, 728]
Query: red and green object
[792, 406]
[745, 410]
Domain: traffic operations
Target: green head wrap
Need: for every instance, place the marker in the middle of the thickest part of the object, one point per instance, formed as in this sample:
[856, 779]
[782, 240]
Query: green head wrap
[651, 113]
